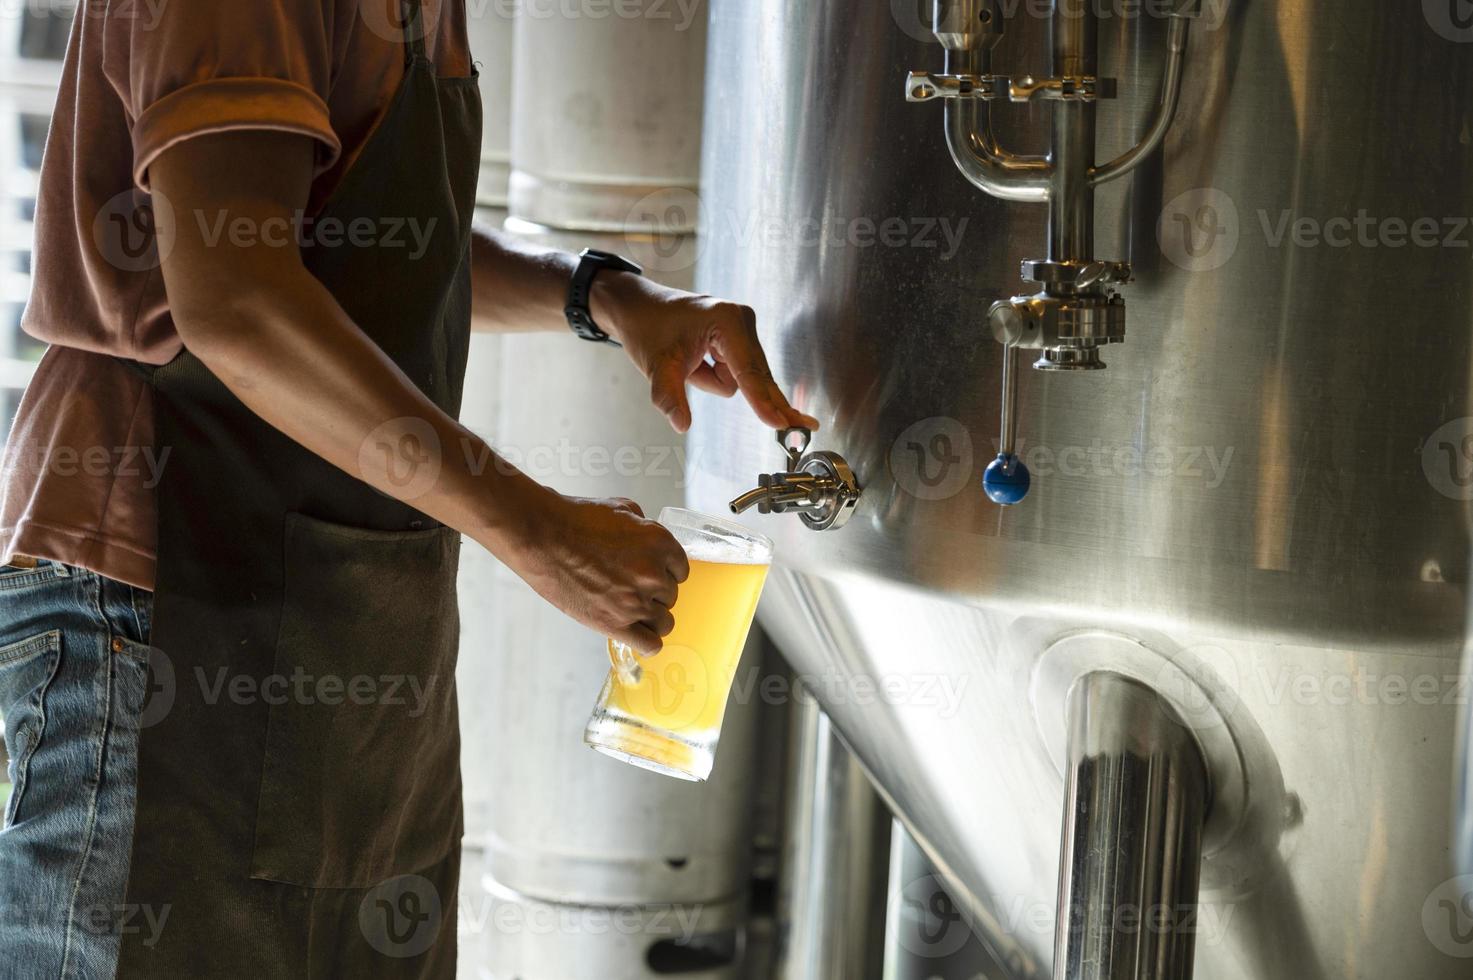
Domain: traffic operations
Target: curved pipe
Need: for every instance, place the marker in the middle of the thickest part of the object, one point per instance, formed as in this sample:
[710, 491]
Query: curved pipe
[975, 150]
[1176, 45]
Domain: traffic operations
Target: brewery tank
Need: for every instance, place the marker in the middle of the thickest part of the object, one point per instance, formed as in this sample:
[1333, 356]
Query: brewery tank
[1257, 510]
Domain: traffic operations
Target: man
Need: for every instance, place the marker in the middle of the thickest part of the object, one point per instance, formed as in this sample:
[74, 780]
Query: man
[283, 491]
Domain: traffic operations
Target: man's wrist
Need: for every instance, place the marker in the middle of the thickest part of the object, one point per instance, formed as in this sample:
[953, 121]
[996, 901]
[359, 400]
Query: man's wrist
[610, 297]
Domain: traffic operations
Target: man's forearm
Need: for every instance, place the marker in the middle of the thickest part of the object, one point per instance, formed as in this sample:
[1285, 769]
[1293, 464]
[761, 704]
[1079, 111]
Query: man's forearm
[518, 287]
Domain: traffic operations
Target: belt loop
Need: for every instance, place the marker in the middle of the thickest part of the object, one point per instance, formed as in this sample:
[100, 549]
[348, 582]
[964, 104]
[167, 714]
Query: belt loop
[412, 16]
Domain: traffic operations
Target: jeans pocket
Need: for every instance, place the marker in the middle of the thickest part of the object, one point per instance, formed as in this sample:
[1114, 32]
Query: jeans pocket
[361, 776]
[27, 668]
[17, 577]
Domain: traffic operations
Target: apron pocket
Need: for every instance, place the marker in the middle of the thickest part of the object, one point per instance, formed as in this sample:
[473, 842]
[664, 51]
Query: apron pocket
[361, 776]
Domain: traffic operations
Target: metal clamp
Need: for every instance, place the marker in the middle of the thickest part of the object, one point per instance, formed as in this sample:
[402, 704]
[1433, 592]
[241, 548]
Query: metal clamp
[819, 486]
[923, 86]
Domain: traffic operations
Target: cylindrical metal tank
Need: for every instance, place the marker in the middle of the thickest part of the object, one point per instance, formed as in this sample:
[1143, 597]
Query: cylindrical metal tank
[1258, 510]
[490, 28]
[610, 91]
[585, 867]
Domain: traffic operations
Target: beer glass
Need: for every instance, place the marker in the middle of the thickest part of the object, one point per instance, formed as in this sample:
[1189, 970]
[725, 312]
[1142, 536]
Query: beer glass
[664, 712]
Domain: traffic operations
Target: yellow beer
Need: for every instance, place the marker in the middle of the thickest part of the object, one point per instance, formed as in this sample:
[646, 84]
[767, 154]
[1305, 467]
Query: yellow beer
[664, 712]
[684, 687]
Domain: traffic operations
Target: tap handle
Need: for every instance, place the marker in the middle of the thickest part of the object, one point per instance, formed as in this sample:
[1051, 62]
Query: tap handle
[1007, 480]
[794, 453]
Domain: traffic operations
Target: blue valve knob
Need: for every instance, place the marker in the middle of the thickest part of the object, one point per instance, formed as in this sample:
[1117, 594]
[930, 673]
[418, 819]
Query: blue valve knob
[1006, 481]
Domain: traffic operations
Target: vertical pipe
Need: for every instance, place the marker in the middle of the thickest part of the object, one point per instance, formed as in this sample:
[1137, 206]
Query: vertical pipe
[836, 859]
[1074, 41]
[1131, 852]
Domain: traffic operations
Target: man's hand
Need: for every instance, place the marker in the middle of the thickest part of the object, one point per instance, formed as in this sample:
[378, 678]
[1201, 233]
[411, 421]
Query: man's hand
[605, 565]
[668, 333]
[675, 337]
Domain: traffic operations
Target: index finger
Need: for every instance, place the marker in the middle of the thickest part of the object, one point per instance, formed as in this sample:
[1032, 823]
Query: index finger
[741, 352]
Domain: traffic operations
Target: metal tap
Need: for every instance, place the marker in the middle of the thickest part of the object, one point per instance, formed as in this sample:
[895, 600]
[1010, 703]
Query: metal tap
[1076, 310]
[819, 486]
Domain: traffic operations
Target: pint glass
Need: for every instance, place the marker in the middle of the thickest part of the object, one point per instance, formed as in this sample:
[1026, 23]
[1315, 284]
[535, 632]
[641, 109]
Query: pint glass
[663, 712]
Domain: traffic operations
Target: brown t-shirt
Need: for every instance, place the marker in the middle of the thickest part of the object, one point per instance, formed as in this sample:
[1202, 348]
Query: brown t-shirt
[80, 466]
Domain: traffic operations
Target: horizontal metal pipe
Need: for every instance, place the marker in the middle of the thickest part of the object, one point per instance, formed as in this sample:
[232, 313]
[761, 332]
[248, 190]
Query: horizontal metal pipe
[1136, 801]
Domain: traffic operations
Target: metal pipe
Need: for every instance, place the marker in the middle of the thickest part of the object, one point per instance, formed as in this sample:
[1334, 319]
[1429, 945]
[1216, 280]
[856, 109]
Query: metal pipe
[1009, 437]
[1136, 801]
[1074, 42]
[975, 150]
[1176, 46]
[836, 859]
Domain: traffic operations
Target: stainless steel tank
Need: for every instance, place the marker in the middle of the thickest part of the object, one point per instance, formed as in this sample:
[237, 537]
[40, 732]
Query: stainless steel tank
[1256, 511]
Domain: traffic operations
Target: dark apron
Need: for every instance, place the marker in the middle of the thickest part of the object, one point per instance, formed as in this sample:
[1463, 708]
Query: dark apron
[299, 810]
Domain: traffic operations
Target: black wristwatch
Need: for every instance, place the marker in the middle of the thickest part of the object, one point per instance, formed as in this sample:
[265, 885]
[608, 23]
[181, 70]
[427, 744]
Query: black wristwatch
[591, 263]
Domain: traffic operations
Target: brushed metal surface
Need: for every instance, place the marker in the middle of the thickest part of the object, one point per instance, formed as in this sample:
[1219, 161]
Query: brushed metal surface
[1256, 486]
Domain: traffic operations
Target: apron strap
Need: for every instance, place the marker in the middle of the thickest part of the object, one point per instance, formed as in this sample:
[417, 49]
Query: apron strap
[412, 15]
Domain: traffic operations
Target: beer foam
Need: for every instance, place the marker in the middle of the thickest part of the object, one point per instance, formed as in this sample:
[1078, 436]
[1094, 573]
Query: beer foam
[728, 553]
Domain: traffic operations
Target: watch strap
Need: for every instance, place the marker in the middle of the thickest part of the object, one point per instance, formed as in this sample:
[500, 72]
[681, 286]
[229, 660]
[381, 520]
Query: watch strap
[591, 262]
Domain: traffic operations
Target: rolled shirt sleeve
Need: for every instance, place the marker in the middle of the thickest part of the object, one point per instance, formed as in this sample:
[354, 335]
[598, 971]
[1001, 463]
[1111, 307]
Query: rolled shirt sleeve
[211, 66]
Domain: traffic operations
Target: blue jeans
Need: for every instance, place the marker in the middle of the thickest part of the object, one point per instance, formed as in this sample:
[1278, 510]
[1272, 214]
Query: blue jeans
[73, 678]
